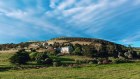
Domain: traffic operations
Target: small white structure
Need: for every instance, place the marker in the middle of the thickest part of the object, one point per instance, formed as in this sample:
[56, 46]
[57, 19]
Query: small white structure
[66, 50]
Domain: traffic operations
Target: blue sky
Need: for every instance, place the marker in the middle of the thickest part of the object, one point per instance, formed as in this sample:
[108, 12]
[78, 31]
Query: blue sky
[113, 20]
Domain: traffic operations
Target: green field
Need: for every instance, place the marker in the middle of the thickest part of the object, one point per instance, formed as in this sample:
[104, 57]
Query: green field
[109, 71]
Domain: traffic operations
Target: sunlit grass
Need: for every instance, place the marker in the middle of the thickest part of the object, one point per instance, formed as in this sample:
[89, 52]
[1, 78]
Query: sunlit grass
[4, 58]
[111, 71]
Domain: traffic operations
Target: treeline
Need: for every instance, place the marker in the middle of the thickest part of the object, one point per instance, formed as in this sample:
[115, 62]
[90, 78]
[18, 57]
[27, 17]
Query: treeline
[14, 46]
[99, 50]
[81, 39]
[8, 46]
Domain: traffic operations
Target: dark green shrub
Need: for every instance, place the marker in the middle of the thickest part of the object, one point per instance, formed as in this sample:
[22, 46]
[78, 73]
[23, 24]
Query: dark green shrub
[87, 51]
[43, 58]
[90, 62]
[56, 60]
[138, 54]
[20, 57]
[117, 61]
[95, 61]
[77, 51]
[33, 55]
[56, 63]
[48, 61]
[103, 61]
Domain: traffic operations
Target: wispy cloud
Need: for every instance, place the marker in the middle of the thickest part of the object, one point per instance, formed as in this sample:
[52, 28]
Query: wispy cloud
[115, 20]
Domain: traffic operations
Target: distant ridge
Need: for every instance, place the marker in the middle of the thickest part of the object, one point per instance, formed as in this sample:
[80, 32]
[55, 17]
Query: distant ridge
[82, 39]
[77, 39]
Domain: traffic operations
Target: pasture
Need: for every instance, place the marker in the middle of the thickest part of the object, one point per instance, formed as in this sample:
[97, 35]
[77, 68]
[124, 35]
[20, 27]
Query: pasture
[90, 71]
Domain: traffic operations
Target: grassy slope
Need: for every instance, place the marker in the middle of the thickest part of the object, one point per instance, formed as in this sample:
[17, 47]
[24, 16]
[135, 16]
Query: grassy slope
[110, 71]
[4, 58]
[114, 71]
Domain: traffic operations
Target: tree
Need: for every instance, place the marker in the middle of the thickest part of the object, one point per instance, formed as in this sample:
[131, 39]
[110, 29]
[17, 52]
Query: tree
[101, 50]
[87, 51]
[133, 54]
[43, 58]
[77, 51]
[33, 55]
[111, 48]
[20, 57]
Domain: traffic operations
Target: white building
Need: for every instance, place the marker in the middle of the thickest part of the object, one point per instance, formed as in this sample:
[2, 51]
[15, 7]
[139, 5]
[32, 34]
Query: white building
[66, 50]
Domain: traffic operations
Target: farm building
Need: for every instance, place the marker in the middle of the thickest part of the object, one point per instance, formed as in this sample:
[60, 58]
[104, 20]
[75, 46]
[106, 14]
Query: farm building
[66, 50]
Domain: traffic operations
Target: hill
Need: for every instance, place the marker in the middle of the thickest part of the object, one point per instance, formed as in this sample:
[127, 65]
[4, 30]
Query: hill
[79, 40]
[80, 46]
[94, 45]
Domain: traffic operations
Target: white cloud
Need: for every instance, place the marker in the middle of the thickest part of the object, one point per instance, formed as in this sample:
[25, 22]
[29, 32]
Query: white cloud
[79, 12]
[53, 3]
[66, 4]
[132, 38]
[91, 15]
[86, 16]
[116, 3]
[29, 16]
[16, 14]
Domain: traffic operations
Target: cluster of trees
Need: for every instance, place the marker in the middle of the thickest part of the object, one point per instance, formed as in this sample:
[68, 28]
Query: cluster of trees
[8, 46]
[109, 50]
[94, 49]
[14, 46]
[22, 57]
[99, 50]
